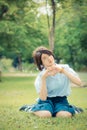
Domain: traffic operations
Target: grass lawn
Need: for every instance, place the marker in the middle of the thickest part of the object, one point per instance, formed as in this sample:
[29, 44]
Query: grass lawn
[17, 91]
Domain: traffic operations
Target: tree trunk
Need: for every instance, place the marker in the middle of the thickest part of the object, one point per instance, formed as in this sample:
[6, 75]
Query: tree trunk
[51, 27]
[51, 39]
[19, 63]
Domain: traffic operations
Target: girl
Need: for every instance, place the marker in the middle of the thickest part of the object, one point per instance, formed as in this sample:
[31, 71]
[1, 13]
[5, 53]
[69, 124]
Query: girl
[53, 85]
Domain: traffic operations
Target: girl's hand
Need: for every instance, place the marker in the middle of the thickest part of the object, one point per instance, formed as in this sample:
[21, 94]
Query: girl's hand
[51, 71]
[55, 69]
[47, 73]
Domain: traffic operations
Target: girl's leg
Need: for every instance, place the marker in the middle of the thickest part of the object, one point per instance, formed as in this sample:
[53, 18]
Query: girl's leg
[63, 114]
[43, 113]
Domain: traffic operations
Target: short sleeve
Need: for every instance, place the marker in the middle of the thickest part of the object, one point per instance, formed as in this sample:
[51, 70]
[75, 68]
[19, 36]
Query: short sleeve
[38, 83]
[69, 69]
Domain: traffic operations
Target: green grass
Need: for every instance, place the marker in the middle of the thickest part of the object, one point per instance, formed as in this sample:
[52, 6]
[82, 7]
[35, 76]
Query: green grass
[17, 91]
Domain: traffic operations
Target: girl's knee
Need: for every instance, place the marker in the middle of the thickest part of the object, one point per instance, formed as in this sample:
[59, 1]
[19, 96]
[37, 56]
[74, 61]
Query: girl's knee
[63, 114]
[43, 113]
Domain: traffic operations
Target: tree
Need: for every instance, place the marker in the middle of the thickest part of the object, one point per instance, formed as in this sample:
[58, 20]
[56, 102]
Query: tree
[51, 26]
[18, 31]
[3, 9]
[70, 32]
[22, 29]
[50, 11]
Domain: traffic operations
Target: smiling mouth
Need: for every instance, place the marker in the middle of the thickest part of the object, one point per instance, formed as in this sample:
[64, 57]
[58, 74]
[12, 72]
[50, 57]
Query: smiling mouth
[51, 64]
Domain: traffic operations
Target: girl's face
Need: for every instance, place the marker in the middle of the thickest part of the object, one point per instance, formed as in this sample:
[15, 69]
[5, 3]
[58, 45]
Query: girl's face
[47, 60]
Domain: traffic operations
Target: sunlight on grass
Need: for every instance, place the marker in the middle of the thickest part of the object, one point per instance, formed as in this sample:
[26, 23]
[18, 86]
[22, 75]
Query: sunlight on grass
[79, 97]
[17, 91]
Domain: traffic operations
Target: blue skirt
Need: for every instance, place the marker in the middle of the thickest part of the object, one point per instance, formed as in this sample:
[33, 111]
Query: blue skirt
[54, 105]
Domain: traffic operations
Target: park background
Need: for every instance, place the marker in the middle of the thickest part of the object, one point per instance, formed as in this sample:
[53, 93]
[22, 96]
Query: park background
[60, 25]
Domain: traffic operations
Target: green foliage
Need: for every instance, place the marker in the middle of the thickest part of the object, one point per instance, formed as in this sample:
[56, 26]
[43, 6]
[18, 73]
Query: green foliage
[18, 34]
[5, 64]
[21, 31]
[3, 8]
[71, 29]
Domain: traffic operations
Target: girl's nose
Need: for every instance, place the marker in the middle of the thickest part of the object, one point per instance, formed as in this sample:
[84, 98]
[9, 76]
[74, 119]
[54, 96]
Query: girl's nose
[49, 58]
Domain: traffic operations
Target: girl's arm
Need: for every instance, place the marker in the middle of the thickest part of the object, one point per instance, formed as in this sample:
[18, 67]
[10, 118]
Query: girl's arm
[43, 89]
[74, 79]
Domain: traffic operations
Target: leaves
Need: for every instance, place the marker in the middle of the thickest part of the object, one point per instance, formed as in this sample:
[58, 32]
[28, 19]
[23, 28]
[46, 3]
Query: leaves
[21, 31]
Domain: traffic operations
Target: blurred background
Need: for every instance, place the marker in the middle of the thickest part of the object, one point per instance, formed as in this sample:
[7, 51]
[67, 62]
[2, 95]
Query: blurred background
[60, 25]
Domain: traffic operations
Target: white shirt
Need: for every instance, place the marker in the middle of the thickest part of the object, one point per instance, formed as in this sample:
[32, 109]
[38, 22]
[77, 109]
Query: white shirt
[57, 85]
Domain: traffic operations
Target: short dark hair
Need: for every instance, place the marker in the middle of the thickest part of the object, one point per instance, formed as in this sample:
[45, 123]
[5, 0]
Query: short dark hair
[37, 53]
